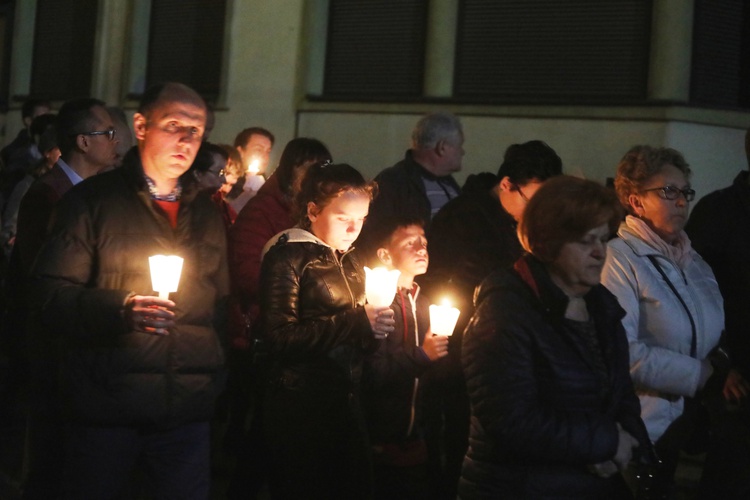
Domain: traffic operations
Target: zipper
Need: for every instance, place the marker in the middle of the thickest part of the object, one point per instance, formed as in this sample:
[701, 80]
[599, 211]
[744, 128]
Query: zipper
[343, 274]
[412, 417]
[340, 265]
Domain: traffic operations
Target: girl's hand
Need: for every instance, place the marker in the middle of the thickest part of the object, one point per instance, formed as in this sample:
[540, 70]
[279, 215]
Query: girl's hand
[381, 320]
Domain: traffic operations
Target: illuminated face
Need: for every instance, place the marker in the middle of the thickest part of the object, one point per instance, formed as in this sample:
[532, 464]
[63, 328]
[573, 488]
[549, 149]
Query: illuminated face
[169, 138]
[338, 224]
[667, 218]
[406, 251]
[515, 197]
[578, 266]
[256, 153]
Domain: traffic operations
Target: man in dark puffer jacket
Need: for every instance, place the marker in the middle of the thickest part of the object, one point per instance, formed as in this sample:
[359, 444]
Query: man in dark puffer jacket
[139, 374]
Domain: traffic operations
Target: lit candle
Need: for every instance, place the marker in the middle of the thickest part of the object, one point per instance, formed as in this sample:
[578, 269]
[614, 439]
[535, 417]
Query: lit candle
[443, 318]
[381, 285]
[165, 273]
[254, 167]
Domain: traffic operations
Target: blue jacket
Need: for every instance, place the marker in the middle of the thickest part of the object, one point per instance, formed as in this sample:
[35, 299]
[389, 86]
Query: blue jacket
[540, 412]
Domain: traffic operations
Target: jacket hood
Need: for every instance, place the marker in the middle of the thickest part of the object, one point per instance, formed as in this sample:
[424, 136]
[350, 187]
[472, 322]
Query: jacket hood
[293, 235]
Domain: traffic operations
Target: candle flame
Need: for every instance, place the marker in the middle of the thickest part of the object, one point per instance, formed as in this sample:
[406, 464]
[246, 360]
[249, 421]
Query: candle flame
[254, 166]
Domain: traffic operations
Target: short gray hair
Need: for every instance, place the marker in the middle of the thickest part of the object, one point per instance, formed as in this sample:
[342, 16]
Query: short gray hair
[434, 127]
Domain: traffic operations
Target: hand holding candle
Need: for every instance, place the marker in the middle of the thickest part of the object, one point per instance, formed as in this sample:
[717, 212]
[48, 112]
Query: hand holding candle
[443, 318]
[149, 314]
[435, 346]
[154, 314]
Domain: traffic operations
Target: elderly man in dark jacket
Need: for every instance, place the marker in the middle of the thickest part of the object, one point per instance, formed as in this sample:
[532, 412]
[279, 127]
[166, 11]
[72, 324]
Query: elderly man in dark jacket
[139, 373]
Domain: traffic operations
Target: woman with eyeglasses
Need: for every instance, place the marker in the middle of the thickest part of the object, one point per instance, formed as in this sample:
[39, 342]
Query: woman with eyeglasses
[674, 308]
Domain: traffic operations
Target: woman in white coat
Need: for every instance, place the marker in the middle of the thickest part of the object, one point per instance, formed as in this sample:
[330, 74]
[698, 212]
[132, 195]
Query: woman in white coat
[674, 308]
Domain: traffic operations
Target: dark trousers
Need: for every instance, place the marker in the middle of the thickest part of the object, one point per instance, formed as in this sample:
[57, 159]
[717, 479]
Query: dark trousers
[317, 443]
[726, 473]
[100, 461]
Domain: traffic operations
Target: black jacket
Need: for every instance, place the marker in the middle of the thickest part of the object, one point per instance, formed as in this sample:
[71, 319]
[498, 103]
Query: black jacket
[540, 412]
[719, 230]
[390, 381]
[401, 193]
[312, 311]
[103, 232]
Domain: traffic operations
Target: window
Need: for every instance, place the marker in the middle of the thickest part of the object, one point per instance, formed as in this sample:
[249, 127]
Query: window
[186, 44]
[375, 49]
[63, 48]
[721, 54]
[553, 52]
[6, 37]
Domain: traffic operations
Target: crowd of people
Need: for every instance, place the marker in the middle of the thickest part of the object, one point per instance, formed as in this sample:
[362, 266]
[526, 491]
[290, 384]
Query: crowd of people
[601, 332]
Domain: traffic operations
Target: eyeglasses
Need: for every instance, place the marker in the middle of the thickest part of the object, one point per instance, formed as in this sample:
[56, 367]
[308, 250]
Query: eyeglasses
[672, 193]
[523, 196]
[110, 133]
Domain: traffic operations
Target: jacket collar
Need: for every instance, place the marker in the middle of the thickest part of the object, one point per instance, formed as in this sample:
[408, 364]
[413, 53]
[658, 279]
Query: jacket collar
[132, 170]
[298, 235]
[553, 299]
[636, 244]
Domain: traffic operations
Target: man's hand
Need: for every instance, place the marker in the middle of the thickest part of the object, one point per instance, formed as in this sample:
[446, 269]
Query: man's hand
[144, 313]
[735, 387]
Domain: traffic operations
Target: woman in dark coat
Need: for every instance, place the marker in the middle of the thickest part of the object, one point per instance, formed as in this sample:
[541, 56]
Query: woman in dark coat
[546, 360]
[317, 327]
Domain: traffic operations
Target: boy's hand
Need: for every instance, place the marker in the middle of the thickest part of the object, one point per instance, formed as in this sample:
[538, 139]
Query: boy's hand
[435, 346]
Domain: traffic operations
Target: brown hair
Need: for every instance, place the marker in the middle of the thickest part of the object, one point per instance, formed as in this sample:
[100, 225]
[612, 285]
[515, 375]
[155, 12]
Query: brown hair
[563, 210]
[234, 163]
[325, 181]
[641, 163]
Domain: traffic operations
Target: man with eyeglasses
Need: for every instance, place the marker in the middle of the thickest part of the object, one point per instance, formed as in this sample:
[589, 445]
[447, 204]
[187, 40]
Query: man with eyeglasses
[470, 237]
[139, 373]
[87, 146]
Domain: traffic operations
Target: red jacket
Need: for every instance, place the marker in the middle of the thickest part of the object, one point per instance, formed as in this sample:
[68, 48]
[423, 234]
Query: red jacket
[265, 215]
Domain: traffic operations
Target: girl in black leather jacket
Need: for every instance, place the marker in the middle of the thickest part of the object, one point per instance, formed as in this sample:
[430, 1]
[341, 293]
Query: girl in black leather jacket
[317, 328]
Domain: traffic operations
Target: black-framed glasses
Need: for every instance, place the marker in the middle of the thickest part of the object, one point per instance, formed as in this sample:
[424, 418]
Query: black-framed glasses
[672, 193]
[110, 133]
[523, 196]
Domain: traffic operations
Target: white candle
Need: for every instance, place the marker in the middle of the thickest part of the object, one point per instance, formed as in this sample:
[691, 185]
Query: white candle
[443, 318]
[254, 166]
[165, 273]
[381, 285]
